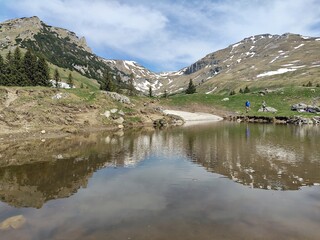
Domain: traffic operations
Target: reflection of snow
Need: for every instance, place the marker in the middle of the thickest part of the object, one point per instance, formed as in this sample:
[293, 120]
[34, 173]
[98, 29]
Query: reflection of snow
[278, 153]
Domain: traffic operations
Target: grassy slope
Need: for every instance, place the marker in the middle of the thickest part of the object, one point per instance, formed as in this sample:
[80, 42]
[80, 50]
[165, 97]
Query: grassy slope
[89, 83]
[281, 100]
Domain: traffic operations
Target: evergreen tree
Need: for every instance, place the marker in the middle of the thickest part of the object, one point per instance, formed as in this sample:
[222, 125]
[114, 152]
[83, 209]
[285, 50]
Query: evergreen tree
[18, 77]
[56, 78]
[131, 86]
[232, 93]
[191, 88]
[107, 83]
[30, 68]
[118, 79]
[9, 69]
[150, 92]
[309, 84]
[70, 80]
[42, 73]
[2, 71]
[240, 91]
[246, 90]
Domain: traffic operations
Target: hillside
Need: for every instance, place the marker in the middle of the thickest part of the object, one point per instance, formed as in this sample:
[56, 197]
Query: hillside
[262, 61]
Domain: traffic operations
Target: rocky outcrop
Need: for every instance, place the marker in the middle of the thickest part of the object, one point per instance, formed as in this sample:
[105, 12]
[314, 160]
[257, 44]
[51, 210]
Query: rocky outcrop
[302, 107]
[118, 97]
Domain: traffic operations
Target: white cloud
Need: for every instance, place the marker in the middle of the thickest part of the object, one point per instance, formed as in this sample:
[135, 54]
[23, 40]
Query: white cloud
[171, 34]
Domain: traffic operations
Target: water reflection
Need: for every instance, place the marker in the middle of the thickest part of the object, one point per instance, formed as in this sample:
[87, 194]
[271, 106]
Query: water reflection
[260, 156]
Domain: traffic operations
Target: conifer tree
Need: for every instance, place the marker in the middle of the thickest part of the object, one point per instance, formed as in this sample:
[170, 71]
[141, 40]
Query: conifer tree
[131, 86]
[42, 73]
[17, 70]
[30, 68]
[57, 78]
[2, 71]
[150, 92]
[246, 90]
[70, 80]
[191, 88]
[9, 69]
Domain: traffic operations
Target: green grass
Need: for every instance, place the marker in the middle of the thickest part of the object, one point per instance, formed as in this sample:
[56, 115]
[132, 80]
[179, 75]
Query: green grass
[282, 100]
[78, 79]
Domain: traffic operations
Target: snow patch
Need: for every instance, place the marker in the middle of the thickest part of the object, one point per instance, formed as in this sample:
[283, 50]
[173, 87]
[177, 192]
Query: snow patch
[318, 39]
[277, 72]
[211, 90]
[60, 84]
[299, 46]
[274, 59]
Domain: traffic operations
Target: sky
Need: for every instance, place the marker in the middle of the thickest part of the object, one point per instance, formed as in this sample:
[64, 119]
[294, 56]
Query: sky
[168, 35]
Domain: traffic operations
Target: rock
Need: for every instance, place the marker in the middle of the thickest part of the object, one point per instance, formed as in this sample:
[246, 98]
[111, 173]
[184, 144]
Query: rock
[119, 120]
[14, 222]
[121, 113]
[43, 131]
[299, 120]
[225, 99]
[60, 96]
[301, 107]
[120, 126]
[268, 109]
[118, 97]
[70, 129]
[114, 110]
[160, 123]
[298, 106]
[107, 114]
[316, 120]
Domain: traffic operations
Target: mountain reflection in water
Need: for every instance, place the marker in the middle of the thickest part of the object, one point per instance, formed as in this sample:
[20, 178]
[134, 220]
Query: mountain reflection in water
[260, 156]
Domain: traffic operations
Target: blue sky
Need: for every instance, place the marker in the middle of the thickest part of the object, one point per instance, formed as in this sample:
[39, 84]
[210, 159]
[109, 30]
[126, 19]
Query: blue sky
[167, 35]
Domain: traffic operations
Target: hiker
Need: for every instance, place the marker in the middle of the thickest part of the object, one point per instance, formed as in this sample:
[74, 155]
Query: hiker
[264, 106]
[247, 105]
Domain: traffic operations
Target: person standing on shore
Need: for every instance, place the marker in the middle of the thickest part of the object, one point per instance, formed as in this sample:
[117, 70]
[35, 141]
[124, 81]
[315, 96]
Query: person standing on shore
[247, 106]
[264, 106]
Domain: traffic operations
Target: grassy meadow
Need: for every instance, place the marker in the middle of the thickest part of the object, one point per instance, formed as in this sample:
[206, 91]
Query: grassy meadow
[281, 99]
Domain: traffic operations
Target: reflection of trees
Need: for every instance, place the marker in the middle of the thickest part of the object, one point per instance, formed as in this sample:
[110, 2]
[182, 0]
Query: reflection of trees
[33, 172]
[271, 157]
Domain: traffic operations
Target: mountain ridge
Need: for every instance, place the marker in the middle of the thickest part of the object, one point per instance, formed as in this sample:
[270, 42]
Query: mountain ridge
[260, 61]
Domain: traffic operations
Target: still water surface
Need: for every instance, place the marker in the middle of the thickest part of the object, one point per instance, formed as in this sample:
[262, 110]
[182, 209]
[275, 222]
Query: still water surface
[217, 181]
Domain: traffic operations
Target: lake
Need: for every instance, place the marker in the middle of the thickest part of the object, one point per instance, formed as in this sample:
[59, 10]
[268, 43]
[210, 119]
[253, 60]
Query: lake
[214, 181]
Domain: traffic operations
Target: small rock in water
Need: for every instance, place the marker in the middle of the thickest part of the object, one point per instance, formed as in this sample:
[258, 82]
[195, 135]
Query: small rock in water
[14, 222]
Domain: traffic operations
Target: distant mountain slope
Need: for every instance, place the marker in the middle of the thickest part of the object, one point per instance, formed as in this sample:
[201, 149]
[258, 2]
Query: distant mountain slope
[61, 47]
[259, 61]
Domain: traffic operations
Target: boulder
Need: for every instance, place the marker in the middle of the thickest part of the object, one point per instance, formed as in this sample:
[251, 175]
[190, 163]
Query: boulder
[107, 114]
[114, 110]
[119, 120]
[268, 109]
[118, 97]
